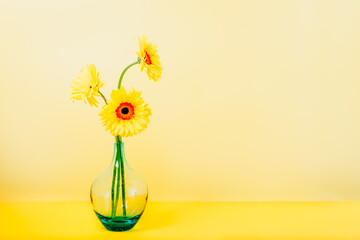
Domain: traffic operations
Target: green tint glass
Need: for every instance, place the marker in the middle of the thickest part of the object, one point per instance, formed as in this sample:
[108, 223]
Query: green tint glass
[119, 194]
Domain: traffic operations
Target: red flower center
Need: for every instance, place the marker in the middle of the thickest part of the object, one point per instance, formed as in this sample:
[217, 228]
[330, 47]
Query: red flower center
[147, 58]
[125, 111]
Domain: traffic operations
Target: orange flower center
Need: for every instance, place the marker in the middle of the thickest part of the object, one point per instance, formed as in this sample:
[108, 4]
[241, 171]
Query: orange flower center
[147, 58]
[125, 111]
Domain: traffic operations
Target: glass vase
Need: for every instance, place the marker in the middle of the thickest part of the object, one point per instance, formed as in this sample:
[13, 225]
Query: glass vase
[119, 194]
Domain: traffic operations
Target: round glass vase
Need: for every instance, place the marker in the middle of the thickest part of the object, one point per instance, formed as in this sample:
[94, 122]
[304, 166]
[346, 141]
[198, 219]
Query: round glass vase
[119, 194]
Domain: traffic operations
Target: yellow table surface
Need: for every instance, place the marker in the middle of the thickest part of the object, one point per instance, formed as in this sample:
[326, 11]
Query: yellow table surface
[186, 220]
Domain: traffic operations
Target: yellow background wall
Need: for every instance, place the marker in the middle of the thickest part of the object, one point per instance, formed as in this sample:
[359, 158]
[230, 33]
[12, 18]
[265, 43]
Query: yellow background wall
[259, 100]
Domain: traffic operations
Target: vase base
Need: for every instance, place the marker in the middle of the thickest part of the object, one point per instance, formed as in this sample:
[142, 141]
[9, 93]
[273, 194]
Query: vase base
[118, 224]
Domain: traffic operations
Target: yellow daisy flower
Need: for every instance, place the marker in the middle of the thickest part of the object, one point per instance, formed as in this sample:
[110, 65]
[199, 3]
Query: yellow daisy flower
[148, 59]
[126, 114]
[86, 85]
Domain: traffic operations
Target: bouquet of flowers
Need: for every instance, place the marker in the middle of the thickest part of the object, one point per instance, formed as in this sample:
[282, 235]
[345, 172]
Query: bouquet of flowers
[125, 114]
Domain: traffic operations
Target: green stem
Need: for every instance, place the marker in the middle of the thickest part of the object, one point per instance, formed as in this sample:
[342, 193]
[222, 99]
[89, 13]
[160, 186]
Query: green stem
[123, 72]
[113, 190]
[123, 185]
[102, 95]
[116, 167]
[120, 159]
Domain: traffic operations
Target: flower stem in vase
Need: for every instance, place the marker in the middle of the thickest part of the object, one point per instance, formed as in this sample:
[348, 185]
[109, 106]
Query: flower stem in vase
[119, 168]
[113, 205]
[122, 182]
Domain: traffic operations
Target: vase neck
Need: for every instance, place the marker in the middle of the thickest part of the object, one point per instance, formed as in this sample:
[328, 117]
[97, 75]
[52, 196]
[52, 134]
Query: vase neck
[119, 153]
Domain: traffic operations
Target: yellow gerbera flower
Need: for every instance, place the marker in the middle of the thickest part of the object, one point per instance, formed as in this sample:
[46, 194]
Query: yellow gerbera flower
[148, 59]
[126, 114]
[86, 85]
